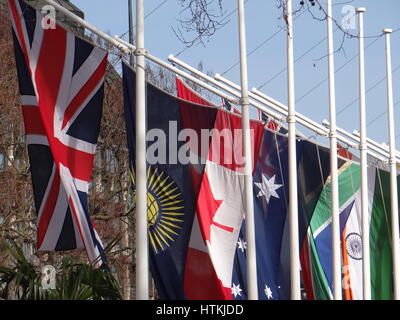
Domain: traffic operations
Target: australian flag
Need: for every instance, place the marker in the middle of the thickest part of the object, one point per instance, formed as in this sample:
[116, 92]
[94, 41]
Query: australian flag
[270, 186]
[61, 81]
[172, 185]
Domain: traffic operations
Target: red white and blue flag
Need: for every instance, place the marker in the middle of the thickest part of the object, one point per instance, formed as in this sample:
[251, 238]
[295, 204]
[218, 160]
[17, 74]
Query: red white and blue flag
[61, 80]
[228, 106]
[270, 123]
[270, 187]
[220, 208]
[200, 279]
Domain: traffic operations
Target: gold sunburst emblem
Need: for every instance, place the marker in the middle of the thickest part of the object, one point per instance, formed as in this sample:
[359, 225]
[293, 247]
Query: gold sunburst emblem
[165, 209]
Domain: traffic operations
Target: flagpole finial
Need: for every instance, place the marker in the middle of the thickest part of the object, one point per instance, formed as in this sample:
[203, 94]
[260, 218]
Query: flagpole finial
[361, 10]
[387, 30]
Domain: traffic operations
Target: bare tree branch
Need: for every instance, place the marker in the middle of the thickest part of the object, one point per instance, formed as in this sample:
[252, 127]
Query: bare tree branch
[199, 17]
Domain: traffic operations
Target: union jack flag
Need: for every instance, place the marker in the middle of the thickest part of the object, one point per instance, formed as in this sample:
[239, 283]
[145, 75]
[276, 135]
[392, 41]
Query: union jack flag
[271, 123]
[61, 81]
[228, 106]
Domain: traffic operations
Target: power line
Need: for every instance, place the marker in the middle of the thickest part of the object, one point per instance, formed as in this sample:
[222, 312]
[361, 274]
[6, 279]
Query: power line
[295, 61]
[260, 45]
[339, 69]
[380, 115]
[155, 9]
[366, 92]
[342, 3]
[298, 59]
[146, 16]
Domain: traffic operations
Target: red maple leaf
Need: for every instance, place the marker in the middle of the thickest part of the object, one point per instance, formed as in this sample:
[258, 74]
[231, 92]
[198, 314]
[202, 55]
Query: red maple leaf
[207, 207]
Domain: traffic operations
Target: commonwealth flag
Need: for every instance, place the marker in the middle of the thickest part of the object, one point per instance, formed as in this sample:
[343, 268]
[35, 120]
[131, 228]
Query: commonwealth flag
[172, 191]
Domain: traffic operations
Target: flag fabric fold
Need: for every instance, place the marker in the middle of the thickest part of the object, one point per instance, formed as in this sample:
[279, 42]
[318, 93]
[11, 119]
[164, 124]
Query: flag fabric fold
[200, 279]
[220, 206]
[270, 188]
[320, 233]
[173, 186]
[61, 81]
[195, 180]
[313, 169]
[270, 166]
[228, 106]
[270, 202]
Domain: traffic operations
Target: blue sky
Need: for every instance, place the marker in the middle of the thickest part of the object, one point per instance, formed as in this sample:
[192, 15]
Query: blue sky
[262, 21]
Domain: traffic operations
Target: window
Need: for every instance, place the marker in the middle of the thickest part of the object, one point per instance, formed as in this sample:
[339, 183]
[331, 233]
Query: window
[97, 158]
[111, 161]
[2, 162]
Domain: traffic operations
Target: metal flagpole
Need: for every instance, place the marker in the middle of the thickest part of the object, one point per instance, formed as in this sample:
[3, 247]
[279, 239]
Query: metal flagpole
[381, 146]
[142, 265]
[222, 86]
[372, 150]
[124, 220]
[258, 96]
[88, 26]
[293, 203]
[126, 47]
[393, 170]
[131, 35]
[252, 289]
[336, 258]
[364, 164]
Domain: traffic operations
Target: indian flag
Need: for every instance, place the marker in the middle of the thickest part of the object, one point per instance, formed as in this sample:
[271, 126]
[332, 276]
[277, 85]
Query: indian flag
[320, 235]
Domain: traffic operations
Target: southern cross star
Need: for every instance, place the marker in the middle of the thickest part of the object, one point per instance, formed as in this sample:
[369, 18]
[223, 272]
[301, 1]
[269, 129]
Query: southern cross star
[268, 188]
[242, 244]
[268, 292]
[236, 291]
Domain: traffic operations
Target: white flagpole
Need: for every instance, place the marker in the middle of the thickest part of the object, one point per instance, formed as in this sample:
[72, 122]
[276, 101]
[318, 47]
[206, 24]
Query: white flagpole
[252, 290]
[266, 103]
[293, 202]
[393, 170]
[131, 35]
[88, 26]
[142, 265]
[364, 164]
[336, 257]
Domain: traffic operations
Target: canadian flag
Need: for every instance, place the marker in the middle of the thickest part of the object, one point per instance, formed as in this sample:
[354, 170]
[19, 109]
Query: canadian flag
[220, 208]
